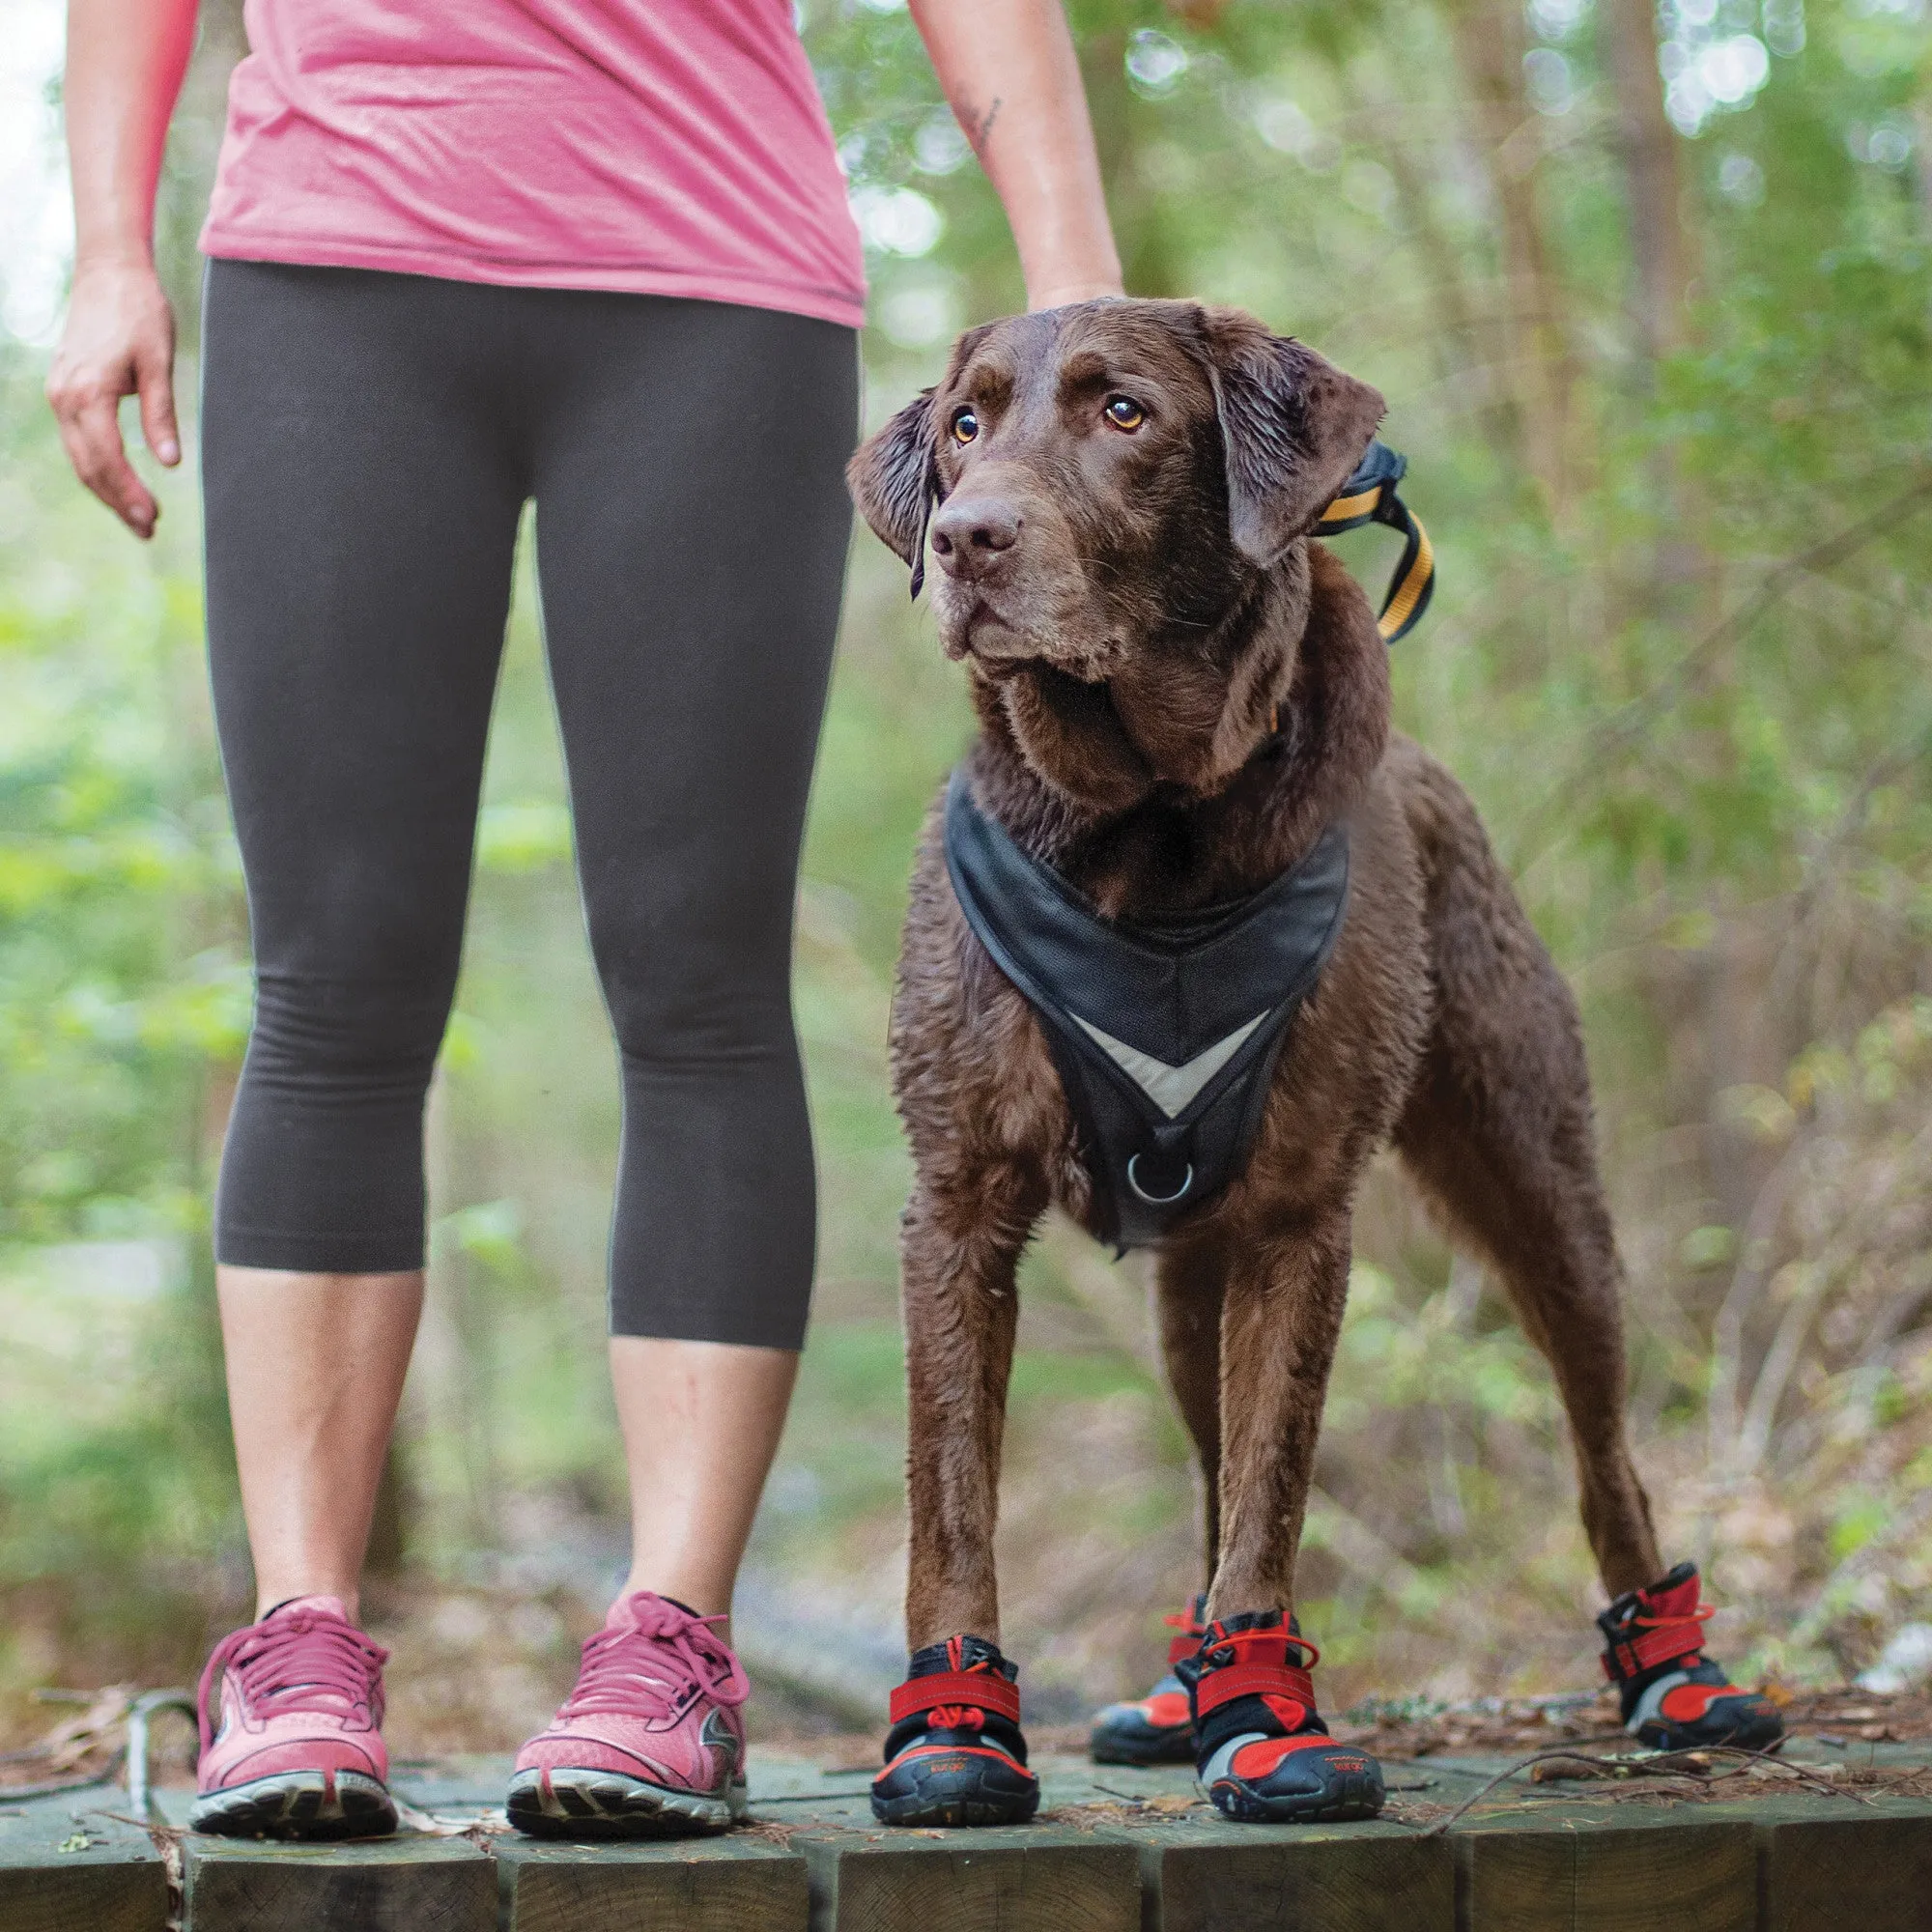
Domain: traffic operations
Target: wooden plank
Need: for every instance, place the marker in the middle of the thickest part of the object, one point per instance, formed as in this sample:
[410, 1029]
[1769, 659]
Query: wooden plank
[1600, 1868]
[1000, 1879]
[1828, 1865]
[735, 1884]
[406, 1884]
[1212, 1876]
[65, 1867]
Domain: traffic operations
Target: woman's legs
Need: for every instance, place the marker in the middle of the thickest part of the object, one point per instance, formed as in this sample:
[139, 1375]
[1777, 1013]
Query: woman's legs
[363, 446]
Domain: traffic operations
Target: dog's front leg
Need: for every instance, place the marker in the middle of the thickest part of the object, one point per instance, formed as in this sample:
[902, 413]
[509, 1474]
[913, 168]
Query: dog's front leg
[1280, 1320]
[961, 1248]
[955, 1753]
[1260, 1749]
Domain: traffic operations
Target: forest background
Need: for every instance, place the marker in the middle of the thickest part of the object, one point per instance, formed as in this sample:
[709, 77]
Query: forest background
[1648, 291]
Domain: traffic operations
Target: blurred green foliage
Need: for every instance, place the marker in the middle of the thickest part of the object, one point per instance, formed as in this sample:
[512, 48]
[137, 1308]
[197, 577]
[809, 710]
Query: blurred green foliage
[1674, 448]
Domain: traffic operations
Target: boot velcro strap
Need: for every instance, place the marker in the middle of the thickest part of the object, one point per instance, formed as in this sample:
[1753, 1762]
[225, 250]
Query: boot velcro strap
[1252, 1680]
[1632, 1656]
[986, 1690]
[1183, 1646]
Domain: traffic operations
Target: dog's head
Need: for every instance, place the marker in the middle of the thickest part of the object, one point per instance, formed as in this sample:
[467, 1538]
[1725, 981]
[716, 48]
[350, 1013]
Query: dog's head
[1113, 491]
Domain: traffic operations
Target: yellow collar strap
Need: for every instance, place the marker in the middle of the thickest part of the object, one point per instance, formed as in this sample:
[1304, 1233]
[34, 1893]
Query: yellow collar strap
[1369, 496]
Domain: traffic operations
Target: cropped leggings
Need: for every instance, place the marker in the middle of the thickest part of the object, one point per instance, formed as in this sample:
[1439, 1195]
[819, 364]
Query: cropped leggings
[369, 440]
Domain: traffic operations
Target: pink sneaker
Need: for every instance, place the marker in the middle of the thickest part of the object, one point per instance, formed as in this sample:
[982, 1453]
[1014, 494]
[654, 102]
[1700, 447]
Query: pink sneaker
[299, 1753]
[650, 1743]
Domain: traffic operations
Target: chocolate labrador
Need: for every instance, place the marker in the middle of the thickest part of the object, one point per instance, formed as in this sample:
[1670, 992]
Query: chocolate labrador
[1192, 934]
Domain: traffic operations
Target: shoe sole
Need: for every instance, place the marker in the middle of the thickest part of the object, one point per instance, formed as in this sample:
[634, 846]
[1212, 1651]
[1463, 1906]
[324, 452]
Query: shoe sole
[1347, 1799]
[609, 1804]
[963, 1797]
[297, 1804]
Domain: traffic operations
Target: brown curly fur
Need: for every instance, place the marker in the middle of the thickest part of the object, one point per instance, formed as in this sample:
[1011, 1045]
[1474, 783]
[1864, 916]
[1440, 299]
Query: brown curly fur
[1177, 691]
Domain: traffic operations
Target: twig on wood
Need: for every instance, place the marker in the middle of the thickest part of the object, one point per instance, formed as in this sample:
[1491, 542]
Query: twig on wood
[1659, 1763]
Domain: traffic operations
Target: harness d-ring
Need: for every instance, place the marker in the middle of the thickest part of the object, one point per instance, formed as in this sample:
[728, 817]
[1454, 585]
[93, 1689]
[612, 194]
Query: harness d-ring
[1158, 1200]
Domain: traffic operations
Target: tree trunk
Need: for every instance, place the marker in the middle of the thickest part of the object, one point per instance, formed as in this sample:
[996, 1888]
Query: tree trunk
[1663, 247]
[1540, 369]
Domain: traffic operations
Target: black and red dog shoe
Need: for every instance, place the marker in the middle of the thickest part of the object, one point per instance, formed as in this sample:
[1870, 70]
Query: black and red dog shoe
[955, 1755]
[1675, 1697]
[1261, 1751]
[1157, 1728]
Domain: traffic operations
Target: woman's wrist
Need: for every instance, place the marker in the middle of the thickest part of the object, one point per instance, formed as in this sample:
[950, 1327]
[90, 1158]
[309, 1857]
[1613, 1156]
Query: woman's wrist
[114, 257]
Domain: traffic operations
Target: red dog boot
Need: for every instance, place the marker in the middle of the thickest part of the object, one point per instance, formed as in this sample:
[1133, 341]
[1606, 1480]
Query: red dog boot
[1157, 1728]
[1675, 1697]
[1260, 1749]
[955, 1755]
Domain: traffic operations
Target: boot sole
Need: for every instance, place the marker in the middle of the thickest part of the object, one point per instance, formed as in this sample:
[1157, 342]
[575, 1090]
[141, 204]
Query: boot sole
[1175, 1749]
[608, 1805]
[297, 1804]
[966, 1796]
[1755, 1736]
[1349, 1799]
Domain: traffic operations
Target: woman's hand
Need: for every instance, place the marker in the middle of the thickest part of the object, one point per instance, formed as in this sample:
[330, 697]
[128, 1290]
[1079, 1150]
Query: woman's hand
[125, 62]
[118, 341]
[1009, 69]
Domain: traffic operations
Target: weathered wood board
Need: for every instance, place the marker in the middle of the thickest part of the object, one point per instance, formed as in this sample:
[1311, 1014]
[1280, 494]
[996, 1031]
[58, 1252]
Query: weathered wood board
[1599, 1869]
[736, 1884]
[406, 1884]
[1029, 1878]
[1116, 1849]
[67, 1865]
[1203, 1877]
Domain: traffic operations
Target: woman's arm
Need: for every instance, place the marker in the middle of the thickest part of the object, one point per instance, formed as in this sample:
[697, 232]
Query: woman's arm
[125, 62]
[1009, 69]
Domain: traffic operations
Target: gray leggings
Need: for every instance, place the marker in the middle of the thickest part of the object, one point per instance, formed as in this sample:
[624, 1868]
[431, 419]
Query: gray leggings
[368, 442]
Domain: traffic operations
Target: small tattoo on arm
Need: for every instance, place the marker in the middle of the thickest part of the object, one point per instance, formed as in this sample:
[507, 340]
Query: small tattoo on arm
[978, 125]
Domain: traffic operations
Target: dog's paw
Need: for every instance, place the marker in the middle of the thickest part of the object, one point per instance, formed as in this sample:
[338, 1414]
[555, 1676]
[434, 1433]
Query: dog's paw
[1264, 1757]
[1674, 1697]
[955, 1753]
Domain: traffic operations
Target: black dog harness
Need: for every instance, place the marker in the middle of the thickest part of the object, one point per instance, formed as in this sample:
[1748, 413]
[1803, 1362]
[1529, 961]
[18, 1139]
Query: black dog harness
[1164, 1033]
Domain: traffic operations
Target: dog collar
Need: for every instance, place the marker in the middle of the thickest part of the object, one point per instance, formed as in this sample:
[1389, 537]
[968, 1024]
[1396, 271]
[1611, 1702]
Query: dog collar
[1164, 1033]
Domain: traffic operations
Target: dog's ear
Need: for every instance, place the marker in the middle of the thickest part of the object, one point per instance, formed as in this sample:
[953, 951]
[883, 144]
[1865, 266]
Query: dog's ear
[1293, 424]
[894, 479]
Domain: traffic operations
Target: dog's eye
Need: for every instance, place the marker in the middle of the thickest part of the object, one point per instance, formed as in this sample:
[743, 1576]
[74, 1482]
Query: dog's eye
[965, 426]
[1123, 413]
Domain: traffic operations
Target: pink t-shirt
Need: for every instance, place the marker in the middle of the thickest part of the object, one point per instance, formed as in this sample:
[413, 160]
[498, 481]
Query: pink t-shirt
[663, 147]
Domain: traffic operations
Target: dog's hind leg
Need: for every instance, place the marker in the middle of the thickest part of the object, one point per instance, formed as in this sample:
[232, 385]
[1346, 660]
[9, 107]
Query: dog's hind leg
[1498, 1131]
[1190, 1287]
[960, 1251]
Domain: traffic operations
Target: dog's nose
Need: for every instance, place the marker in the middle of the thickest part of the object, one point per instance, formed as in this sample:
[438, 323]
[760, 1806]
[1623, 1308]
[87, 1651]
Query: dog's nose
[972, 533]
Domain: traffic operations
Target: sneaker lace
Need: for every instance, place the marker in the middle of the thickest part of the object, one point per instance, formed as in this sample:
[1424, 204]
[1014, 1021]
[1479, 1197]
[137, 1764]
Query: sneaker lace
[651, 1666]
[300, 1660]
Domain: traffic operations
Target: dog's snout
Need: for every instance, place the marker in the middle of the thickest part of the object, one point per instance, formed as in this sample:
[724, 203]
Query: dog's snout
[970, 533]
